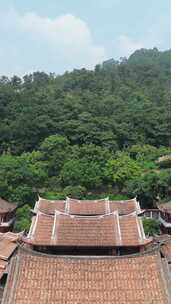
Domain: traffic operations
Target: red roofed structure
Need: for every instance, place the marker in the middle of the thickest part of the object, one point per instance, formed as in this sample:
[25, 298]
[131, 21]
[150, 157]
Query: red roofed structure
[42, 279]
[87, 207]
[116, 234]
[8, 246]
[90, 242]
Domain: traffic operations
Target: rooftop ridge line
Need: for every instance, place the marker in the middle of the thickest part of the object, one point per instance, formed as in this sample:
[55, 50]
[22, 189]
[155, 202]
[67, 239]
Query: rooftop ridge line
[119, 228]
[139, 230]
[92, 201]
[142, 228]
[35, 225]
[54, 228]
[66, 205]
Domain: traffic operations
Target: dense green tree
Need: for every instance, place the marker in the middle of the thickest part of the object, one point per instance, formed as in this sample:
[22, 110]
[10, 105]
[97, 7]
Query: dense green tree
[118, 105]
[79, 172]
[85, 166]
[151, 227]
[23, 219]
[77, 192]
[164, 184]
[19, 179]
[146, 188]
[61, 134]
[122, 169]
[54, 150]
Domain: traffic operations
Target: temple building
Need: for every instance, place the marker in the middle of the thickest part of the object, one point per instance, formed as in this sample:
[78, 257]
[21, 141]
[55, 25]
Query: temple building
[7, 215]
[87, 252]
[45, 279]
[100, 227]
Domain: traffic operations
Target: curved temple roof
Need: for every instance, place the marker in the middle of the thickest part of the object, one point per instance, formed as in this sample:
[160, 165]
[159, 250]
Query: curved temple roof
[87, 207]
[37, 278]
[108, 230]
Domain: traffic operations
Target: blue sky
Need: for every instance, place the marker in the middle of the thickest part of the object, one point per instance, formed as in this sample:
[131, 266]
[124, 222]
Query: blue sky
[60, 35]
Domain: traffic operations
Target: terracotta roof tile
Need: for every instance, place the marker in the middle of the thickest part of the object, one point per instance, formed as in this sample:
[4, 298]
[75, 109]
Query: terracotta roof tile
[86, 231]
[68, 230]
[87, 207]
[49, 206]
[51, 280]
[8, 244]
[7, 247]
[41, 229]
[124, 207]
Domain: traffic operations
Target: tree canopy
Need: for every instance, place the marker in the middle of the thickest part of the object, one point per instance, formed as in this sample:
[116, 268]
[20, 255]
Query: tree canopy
[88, 133]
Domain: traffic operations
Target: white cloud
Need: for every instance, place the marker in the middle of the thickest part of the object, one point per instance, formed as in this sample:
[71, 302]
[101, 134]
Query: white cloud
[156, 35]
[127, 45]
[67, 34]
[64, 39]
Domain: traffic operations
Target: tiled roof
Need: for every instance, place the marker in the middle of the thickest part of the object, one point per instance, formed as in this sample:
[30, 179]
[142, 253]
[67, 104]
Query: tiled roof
[69, 230]
[49, 206]
[7, 247]
[125, 207]
[87, 207]
[6, 207]
[8, 244]
[67, 280]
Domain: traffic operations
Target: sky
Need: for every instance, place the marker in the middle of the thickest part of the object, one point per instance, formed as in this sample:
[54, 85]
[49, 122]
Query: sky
[60, 35]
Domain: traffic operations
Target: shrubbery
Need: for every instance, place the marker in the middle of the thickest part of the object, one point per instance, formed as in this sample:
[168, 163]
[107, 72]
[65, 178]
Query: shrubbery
[151, 227]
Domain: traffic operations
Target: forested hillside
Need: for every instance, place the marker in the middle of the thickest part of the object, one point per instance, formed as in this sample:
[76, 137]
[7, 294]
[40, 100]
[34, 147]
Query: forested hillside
[89, 133]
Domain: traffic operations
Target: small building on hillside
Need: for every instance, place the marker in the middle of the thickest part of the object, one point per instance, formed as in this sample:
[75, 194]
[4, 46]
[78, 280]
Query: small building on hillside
[107, 234]
[38, 278]
[165, 217]
[7, 215]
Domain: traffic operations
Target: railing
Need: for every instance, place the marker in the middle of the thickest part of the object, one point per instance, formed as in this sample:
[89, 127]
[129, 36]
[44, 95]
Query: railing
[165, 224]
[152, 213]
[6, 224]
